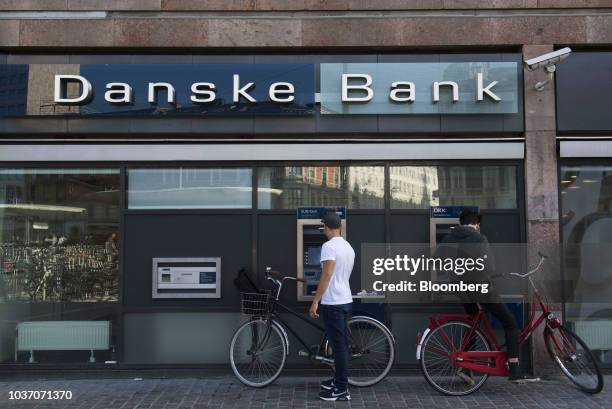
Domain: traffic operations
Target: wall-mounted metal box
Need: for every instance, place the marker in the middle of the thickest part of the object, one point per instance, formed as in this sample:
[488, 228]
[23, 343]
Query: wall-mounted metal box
[186, 277]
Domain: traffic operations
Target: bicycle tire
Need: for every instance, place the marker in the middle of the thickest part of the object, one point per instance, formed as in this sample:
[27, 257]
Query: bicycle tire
[425, 366]
[365, 352]
[562, 362]
[271, 373]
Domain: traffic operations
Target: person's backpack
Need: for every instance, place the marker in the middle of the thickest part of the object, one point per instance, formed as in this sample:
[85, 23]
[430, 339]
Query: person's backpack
[244, 283]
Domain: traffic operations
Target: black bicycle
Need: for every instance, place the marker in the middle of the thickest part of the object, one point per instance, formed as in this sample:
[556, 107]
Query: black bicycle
[260, 346]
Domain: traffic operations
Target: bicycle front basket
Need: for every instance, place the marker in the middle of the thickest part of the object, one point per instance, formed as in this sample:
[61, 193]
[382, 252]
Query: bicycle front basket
[256, 304]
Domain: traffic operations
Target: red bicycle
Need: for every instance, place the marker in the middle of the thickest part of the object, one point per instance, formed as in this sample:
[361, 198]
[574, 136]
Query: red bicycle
[458, 352]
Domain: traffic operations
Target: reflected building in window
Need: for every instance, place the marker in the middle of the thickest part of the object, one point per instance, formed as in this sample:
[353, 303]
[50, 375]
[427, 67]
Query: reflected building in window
[419, 187]
[355, 187]
[414, 187]
[586, 198]
[189, 188]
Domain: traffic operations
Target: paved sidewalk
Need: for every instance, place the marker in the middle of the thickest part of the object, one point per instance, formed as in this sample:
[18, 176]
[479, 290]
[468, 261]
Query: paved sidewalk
[296, 392]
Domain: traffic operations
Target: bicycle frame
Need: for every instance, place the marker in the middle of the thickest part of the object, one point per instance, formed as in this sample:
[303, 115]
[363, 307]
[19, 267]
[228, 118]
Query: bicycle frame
[274, 316]
[495, 361]
[277, 317]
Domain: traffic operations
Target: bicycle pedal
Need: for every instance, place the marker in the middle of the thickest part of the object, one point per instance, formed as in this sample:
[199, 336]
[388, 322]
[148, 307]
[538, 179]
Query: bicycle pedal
[323, 359]
[301, 352]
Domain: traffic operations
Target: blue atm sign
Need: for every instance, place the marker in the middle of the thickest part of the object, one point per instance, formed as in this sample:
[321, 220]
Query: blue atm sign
[449, 212]
[319, 212]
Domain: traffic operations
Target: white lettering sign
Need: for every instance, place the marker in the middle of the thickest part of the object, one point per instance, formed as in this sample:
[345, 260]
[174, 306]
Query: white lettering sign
[61, 90]
[365, 87]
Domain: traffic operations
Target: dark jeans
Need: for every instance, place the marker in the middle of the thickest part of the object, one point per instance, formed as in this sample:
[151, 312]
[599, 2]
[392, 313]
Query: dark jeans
[505, 316]
[335, 318]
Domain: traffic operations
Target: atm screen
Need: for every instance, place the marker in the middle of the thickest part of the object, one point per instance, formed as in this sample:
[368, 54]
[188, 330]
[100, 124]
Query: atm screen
[312, 255]
[442, 230]
[310, 240]
[208, 277]
[312, 268]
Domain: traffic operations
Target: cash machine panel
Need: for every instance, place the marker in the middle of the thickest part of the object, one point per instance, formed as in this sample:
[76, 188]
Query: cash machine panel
[186, 277]
[442, 219]
[310, 238]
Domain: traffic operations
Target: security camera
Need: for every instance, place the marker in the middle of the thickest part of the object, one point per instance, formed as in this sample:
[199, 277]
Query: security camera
[548, 59]
[548, 62]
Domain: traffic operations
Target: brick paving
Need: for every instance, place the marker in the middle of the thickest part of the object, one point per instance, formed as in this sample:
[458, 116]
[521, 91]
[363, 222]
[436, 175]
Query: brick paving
[295, 392]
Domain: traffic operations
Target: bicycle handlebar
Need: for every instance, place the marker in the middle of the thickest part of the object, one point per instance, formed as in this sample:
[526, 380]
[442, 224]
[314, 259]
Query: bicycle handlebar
[277, 275]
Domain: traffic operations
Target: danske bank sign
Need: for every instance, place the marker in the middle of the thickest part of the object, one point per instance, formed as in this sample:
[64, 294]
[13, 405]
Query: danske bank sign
[276, 89]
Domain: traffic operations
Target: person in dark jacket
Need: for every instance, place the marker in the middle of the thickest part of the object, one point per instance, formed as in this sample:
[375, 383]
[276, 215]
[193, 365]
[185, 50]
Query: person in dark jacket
[467, 241]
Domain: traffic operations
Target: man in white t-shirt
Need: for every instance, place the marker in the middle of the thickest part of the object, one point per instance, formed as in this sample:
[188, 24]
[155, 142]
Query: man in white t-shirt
[334, 295]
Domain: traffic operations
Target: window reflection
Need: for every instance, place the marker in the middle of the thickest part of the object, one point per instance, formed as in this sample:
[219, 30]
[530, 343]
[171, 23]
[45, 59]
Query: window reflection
[586, 205]
[189, 188]
[58, 234]
[419, 187]
[355, 187]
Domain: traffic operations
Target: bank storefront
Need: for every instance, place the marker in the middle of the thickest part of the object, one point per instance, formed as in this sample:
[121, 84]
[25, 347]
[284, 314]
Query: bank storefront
[113, 164]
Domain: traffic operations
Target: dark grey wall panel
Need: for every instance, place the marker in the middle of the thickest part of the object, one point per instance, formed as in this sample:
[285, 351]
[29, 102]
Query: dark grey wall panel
[277, 248]
[409, 123]
[362, 229]
[341, 124]
[468, 123]
[501, 228]
[414, 228]
[160, 125]
[179, 337]
[34, 125]
[213, 235]
[409, 228]
[98, 125]
[584, 92]
[237, 126]
[286, 125]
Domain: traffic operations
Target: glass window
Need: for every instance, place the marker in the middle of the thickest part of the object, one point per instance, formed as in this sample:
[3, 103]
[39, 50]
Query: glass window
[190, 188]
[586, 222]
[419, 187]
[355, 187]
[59, 235]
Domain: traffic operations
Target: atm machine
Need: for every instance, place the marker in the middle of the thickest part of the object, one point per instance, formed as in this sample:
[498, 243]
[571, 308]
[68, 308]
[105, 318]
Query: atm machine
[441, 221]
[310, 238]
[186, 277]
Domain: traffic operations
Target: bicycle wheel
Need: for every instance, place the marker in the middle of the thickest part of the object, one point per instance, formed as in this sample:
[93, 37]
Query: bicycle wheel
[372, 351]
[574, 358]
[258, 352]
[436, 364]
